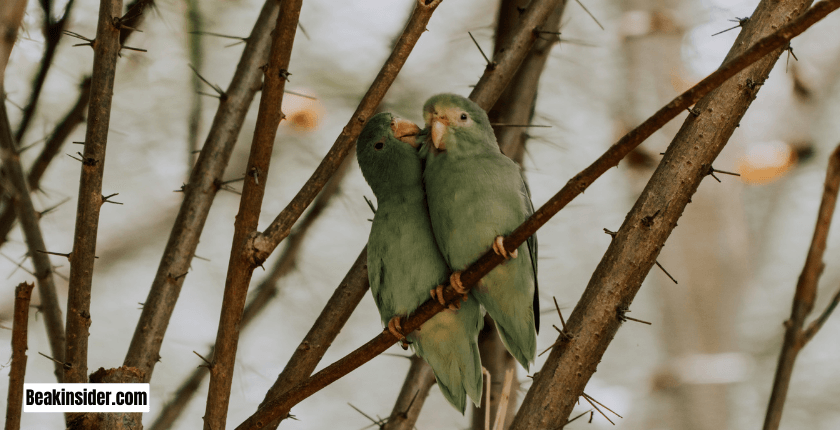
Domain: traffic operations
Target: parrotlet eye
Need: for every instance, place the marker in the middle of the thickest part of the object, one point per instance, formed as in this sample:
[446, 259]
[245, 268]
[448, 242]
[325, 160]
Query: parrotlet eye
[463, 117]
[378, 146]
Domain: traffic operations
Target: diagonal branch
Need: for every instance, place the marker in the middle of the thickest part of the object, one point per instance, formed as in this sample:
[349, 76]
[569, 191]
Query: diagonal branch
[56, 139]
[20, 324]
[576, 186]
[633, 252]
[106, 49]
[796, 337]
[240, 266]
[143, 352]
[11, 16]
[261, 297]
[415, 389]
[21, 201]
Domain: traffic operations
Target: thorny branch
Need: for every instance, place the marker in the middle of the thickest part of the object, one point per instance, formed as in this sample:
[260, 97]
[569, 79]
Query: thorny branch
[20, 324]
[415, 389]
[199, 193]
[575, 186]
[796, 336]
[240, 267]
[21, 201]
[106, 49]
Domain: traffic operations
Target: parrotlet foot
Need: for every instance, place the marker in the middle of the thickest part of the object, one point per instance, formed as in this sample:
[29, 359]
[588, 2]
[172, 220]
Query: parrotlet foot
[437, 294]
[499, 248]
[395, 328]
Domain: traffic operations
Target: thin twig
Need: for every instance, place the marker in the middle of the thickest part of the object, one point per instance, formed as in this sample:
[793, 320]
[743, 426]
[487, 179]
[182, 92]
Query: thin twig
[590, 14]
[806, 295]
[20, 324]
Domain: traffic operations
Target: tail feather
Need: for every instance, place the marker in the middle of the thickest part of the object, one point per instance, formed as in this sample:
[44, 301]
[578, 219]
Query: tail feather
[449, 343]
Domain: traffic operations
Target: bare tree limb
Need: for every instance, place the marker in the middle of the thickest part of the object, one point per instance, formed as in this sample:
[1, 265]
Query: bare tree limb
[109, 420]
[264, 243]
[20, 324]
[56, 139]
[106, 48]
[261, 297]
[11, 15]
[52, 35]
[633, 251]
[796, 337]
[144, 350]
[240, 266]
[21, 201]
[576, 186]
[415, 389]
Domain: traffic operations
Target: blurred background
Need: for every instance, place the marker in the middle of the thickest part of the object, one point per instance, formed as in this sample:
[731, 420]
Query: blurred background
[707, 360]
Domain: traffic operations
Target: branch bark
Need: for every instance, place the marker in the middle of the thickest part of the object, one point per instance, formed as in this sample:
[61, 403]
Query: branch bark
[11, 15]
[634, 249]
[265, 243]
[573, 188]
[59, 134]
[106, 47]
[415, 389]
[261, 297]
[240, 266]
[20, 324]
[796, 337]
[109, 420]
[21, 201]
[206, 176]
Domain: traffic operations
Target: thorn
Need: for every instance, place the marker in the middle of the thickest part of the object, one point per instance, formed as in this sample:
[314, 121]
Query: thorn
[183, 189]
[141, 305]
[590, 14]
[255, 173]
[562, 321]
[712, 172]
[693, 111]
[79, 36]
[303, 30]
[604, 406]
[230, 181]
[752, 85]
[225, 36]
[285, 75]
[65, 365]
[68, 256]
[52, 208]
[624, 318]
[666, 272]
[222, 96]
[585, 397]
[789, 50]
[300, 95]
[370, 205]
[490, 65]
[18, 264]
[79, 143]
[741, 22]
[582, 414]
[105, 199]
[208, 364]
[200, 257]
[499, 124]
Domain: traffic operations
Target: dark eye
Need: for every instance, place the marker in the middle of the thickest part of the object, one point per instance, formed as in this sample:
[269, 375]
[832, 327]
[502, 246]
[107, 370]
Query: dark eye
[463, 117]
[378, 146]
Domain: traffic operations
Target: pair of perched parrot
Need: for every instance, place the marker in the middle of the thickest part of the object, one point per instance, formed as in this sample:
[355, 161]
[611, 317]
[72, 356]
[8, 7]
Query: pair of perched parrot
[445, 196]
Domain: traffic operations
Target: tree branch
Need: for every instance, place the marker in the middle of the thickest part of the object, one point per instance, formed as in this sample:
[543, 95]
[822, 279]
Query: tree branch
[633, 251]
[59, 134]
[144, 350]
[415, 389]
[574, 187]
[796, 337]
[21, 201]
[20, 324]
[11, 15]
[106, 48]
[265, 242]
[261, 297]
[241, 266]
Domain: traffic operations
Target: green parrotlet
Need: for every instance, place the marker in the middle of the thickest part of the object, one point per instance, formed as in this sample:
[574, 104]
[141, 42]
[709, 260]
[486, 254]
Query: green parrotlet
[476, 196]
[404, 262]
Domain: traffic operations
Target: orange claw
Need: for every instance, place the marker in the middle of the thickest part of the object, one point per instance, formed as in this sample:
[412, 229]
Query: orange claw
[395, 328]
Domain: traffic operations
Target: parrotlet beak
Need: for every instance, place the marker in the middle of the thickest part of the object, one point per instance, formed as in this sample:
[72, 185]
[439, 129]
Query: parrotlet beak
[405, 131]
[438, 129]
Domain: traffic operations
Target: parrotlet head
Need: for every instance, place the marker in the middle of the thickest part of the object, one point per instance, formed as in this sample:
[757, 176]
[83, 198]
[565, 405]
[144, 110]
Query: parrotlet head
[457, 125]
[387, 154]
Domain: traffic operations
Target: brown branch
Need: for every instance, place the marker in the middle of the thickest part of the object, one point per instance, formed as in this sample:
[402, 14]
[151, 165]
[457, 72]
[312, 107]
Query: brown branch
[105, 48]
[264, 243]
[59, 134]
[241, 266]
[144, 350]
[20, 324]
[261, 297]
[21, 201]
[576, 186]
[322, 334]
[632, 253]
[796, 337]
[415, 389]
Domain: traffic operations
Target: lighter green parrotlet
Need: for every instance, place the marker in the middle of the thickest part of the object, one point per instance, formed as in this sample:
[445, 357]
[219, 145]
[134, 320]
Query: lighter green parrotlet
[404, 262]
[477, 195]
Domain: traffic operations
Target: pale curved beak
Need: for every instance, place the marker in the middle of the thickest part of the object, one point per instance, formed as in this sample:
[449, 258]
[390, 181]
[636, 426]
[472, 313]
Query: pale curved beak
[405, 131]
[438, 130]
